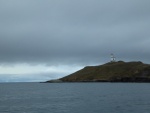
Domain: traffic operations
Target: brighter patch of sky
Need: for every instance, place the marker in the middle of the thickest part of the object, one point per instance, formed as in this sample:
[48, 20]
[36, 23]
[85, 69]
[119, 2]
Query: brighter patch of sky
[35, 69]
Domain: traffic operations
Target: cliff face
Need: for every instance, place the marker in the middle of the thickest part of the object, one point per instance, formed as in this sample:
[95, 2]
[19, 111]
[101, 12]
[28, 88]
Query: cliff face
[112, 72]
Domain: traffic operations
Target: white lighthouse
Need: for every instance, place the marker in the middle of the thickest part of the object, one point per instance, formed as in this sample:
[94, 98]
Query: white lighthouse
[113, 58]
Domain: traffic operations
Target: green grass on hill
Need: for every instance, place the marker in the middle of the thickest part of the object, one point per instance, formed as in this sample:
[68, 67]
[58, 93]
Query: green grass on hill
[110, 71]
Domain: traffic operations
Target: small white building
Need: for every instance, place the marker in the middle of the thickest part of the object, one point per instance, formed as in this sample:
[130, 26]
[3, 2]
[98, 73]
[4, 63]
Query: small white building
[113, 58]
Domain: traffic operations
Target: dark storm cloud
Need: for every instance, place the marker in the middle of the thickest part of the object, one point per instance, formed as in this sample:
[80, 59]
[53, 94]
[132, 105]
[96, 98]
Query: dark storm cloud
[74, 31]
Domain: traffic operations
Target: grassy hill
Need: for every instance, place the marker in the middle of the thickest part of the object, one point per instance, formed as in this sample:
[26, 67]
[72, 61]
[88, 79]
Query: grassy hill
[111, 72]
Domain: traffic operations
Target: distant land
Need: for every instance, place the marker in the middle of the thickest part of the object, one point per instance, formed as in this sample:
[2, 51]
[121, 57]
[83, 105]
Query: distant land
[119, 71]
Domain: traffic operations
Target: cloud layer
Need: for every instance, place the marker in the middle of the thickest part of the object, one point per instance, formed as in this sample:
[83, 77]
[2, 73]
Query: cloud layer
[73, 32]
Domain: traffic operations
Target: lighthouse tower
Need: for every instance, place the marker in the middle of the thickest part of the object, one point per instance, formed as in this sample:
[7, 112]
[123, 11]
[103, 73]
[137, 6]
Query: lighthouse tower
[113, 58]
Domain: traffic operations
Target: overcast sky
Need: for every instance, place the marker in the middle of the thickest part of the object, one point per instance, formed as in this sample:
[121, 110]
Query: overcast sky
[48, 39]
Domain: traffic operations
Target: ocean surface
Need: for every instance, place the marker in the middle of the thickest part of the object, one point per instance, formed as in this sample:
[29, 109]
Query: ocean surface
[74, 97]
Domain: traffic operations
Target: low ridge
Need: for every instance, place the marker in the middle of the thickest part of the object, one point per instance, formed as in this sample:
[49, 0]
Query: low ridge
[111, 72]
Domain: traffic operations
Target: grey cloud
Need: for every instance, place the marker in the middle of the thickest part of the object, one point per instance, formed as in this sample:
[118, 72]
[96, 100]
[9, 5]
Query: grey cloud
[74, 31]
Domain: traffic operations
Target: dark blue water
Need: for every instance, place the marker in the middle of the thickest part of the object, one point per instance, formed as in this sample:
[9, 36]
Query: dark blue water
[74, 98]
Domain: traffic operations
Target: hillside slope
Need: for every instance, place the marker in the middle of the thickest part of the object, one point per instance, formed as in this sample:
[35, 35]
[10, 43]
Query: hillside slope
[112, 72]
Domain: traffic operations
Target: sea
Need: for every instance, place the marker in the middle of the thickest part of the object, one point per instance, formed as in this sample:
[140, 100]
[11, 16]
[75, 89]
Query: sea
[74, 97]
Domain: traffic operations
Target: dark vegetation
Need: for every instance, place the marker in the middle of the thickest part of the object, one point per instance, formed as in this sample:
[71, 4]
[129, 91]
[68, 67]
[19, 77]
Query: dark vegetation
[111, 72]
